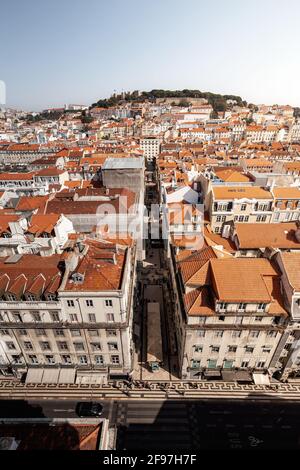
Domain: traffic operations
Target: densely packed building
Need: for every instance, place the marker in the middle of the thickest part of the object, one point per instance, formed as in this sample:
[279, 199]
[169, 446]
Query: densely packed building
[71, 219]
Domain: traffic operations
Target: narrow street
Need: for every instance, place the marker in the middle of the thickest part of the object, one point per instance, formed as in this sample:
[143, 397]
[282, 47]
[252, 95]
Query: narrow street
[153, 280]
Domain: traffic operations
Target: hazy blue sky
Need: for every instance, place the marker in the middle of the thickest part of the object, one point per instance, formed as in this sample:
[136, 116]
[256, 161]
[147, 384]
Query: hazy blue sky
[60, 51]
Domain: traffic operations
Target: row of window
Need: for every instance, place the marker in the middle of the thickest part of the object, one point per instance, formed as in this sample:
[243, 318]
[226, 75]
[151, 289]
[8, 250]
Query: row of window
[261, 307]
[52, 297]
[66, 359]
[231, 349]
[58, 332]
[227, 364]
[237, 333]
[62, 345]
[90, 303]
[55, 317]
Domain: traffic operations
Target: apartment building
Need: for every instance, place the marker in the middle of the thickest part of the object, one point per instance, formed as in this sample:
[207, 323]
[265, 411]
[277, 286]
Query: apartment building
[286, 204]
[294, 134]
[229, 317]
[256, 239]
[256, 133]
[22, 154]
[150, 147]
[69, 311]
[239, 204]
[42, 234]
[287, 356]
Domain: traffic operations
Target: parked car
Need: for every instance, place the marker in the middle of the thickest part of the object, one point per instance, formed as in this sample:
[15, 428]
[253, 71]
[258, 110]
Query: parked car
[89, 408]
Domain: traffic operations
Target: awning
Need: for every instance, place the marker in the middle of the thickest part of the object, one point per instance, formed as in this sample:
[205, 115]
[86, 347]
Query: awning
[50, 376]
[212, 373]
[261, 379]
[235, 376]
[243, 376]
[67, 376]
[34, 375]
[229, 376]
[89, 378]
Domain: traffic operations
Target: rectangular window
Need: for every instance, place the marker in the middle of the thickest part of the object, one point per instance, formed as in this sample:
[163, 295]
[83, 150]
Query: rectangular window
[40, 332]
[23, 332]
[33, 359]
[212, 364]
[108, 303]
[219, 334]
[111, 333]
[54, 316]
[79, 346]
[110, 317]
[246, 219]
[266, 349]
[214, 349]
[99, 360]
[11, 297]
[89, 303]
[1, 317]
[249, 349]
[5, 332]
[30, 297]
[17, 359]
[232, 349]
[272, 334]
[261, 307]
[115, 359]
[112, 346]
[73, 317]
[59, 332]
[96, 346]
[45, 345]
[198, 349]
[92, 318]
[236, 334]
[93, 332]
[70, 303]
[228, 364]
[75, 333]
[254, 334]
[36, 317]
[260, 364]
[243, 207]
[17, 318]
[28, 345]
[51, 297]
[10, 345]
[241, 306]
[62, 345]
[82, 359]
[201, 333]
[50, 359]
[66, 359]
[258, 318]
[195, 364]
[222, 306]
[245, 364]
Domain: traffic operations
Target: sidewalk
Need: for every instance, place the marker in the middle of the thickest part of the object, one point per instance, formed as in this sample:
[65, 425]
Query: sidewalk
[158, 390]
